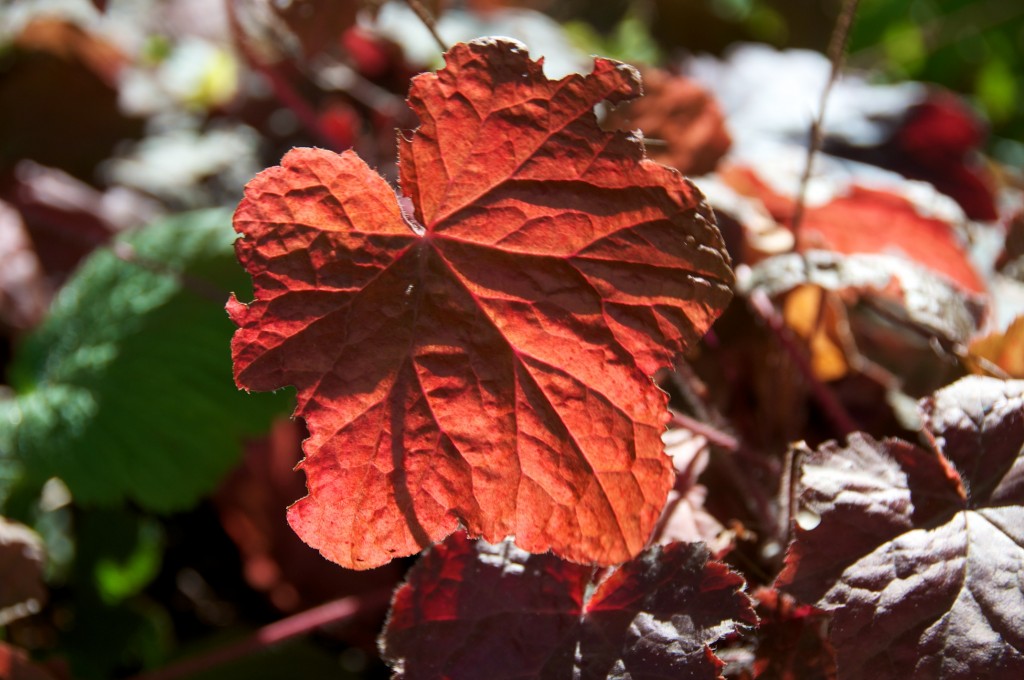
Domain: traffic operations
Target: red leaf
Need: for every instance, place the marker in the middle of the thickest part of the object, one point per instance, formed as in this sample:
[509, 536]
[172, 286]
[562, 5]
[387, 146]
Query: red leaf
[487, 362]
[871, 221]
[791, 640]
[865, 220]
[274, 560]
[471, 606]
[918, 552]
[1004, 349]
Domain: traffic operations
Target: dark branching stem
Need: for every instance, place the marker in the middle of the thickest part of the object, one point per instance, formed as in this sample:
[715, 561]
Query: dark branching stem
[836, 51]
[428, 20]
[333, 612]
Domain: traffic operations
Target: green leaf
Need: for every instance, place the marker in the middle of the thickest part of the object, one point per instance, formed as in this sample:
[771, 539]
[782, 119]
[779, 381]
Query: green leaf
[119, 552]
[125, 391]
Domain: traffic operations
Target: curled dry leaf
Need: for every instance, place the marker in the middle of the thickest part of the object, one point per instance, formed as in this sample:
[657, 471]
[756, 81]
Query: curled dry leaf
[925, 582]
[479, 352]
[904, 289]
[468, 606]
[881, 278]
[819, 317]
[750, 231]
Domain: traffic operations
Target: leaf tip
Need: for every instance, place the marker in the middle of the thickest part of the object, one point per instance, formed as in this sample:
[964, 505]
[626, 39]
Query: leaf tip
[236, 309]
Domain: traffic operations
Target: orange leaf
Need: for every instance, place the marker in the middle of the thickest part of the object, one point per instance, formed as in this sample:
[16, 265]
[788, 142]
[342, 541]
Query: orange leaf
[1004, 349]
[484, 361]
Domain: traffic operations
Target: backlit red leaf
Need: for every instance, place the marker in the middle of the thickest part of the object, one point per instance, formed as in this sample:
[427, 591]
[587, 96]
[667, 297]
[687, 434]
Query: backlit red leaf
[918, 552]
[484, 358]
[468, 607]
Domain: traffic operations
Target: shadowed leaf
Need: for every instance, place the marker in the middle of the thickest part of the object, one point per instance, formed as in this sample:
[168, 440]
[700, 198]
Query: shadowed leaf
[471, 606]
[918, 552]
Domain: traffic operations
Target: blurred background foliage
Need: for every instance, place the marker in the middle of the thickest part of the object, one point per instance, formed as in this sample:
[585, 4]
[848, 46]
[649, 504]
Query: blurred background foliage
[974, 47]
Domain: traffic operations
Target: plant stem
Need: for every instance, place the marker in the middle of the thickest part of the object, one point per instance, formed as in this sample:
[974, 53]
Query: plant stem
[836, 50]
[334, 611]
[693, 390]
[712, 434]
[428, 20]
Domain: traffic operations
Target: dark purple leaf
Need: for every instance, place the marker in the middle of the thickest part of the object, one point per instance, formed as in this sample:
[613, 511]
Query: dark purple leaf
[919, 552]
[473, 606]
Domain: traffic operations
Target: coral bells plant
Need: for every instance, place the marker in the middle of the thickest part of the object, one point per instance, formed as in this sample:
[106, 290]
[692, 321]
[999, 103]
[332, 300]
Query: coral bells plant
[475, 353]
[479, 351]
[710, 367]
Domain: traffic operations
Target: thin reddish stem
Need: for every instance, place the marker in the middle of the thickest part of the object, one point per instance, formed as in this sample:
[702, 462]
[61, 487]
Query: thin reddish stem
[758, 503]
[836, 52]
[428, 20]
[712, 434]
[335, 611]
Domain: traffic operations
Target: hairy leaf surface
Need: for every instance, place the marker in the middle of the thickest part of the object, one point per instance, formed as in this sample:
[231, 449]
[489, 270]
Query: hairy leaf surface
[468, 606]
[480, 352]
[919, 552]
